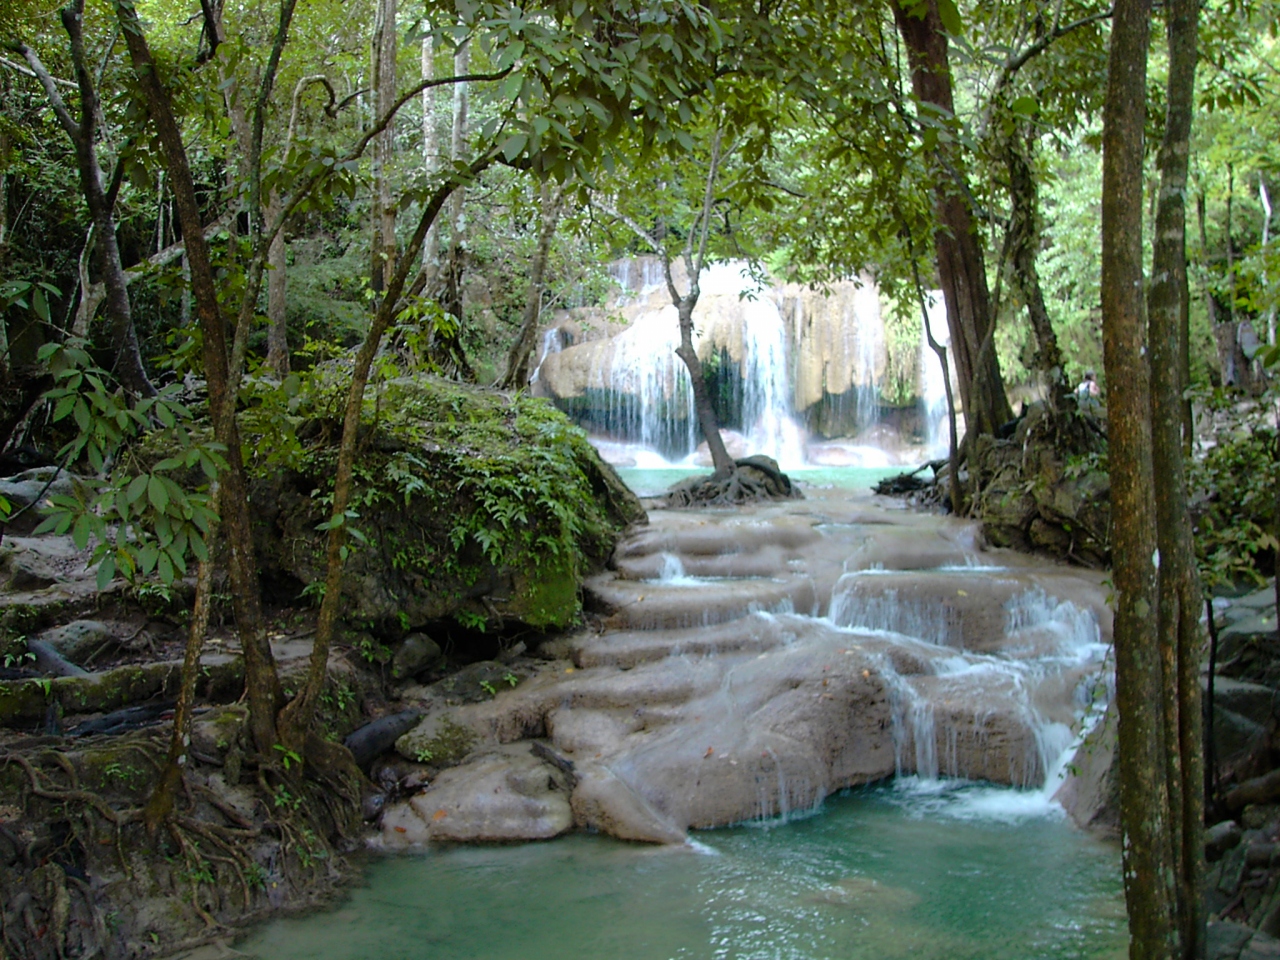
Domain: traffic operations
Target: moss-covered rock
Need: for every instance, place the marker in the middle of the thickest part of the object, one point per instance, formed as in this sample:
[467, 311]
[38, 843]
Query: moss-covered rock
[470, 504]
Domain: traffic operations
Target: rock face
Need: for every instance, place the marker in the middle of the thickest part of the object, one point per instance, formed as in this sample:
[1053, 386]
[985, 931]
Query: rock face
[470, 504]
[754, 662]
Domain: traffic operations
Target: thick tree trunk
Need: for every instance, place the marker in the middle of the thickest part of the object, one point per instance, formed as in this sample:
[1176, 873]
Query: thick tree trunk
[430, 150]
[958, 249]
[453, 268]
[261, 681]
[1149, 863]
[519, 359]
[1181, 642]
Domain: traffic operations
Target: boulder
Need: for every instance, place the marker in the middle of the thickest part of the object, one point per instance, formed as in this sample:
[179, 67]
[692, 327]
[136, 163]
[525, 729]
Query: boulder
[1091, 792]
[416, 654]
[501, 796]
[477, 506]
[79, 639]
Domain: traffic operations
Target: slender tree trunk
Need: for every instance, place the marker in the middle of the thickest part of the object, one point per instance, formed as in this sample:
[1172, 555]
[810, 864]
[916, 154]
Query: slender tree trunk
[1024, 228]
[1149, 857]
[519, 359]
[1180, 597]
[958, 248]
[430, 150]
[452, 300]
[299, 714]
[261, 681]
[160, 803]
[124, 338]
[277, 296]
[4, 226]
[384, 79]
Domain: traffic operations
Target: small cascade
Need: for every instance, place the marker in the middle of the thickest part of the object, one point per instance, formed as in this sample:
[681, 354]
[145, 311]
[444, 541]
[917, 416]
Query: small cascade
[552, 342]
[933, 386]
[867, 326]
[861, 606]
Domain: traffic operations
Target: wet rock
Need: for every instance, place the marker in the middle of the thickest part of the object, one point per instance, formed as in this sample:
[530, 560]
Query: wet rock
[1091, 792]
[605, 804]
[1258, 816]
[478, 681]
[24, 490]
[505, 795]
[79, 639]
[1225, 939]
[416, 654]
[1220, 838]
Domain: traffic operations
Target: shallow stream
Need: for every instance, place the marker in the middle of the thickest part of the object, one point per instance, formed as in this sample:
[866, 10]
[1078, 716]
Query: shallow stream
[920, 870]
[917, 867]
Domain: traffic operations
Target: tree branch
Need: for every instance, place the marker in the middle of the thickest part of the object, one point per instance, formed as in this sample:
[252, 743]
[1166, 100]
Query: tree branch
[28, 72]
[51, 91]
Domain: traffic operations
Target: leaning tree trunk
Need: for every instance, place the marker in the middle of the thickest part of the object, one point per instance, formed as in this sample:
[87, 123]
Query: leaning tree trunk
[1150, 891]
[1180, 597]
[262, 684]
[958, 249]
[708, 422]
[277, 300]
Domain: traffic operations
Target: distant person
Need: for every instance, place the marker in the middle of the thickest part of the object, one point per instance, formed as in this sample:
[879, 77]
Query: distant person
[1088, 394]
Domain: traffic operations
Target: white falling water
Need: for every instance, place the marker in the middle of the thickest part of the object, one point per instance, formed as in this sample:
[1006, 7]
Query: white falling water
[768, 419]
[651, 400]
[552, 342]
[867, 325]
[933, 383]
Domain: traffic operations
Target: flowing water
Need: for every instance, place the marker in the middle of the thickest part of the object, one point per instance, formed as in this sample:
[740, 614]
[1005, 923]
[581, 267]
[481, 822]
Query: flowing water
[991, 666]
[919, 871]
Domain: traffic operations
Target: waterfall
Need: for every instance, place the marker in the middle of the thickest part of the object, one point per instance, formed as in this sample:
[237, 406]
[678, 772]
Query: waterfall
[933, 384]
[868, 327]
[552, 342]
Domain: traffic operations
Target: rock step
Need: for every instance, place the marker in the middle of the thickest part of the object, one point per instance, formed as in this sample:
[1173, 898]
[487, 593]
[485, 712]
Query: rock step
[635, 605]
[769, 561]
[710, 538]
[626, 649]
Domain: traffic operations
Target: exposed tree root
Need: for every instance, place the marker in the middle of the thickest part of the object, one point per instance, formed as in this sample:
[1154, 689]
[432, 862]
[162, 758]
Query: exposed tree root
[754, 479]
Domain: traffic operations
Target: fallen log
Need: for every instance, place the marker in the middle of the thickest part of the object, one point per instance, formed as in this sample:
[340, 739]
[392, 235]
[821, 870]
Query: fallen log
[26, 701]
[375, 738]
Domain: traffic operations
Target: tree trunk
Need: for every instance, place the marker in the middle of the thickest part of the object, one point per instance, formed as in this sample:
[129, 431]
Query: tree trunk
[277, 302]
[958, 249]
[384, 81]
[1024, 241]
[430, 151]
[452, 299]
[261, 681]
[707, 420]
[299, 714]
[1149, 864]
[519, 359]
[124, 338]
[1180, 598]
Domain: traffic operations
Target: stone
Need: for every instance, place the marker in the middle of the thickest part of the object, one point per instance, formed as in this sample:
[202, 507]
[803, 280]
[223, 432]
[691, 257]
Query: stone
[1220, 838]
[501, 796]
[416, 654]
[79, 639]
[604, 804]
[23, 490]
[1224, 939]
[1259, 816]
[1091, 792]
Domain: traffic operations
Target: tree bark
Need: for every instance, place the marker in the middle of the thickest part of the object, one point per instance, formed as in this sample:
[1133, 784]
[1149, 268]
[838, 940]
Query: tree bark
[1180, 597]
[299, 714]
[1024, 241]
[430, 150]
[83, 134]
[261, 681]
[519, 359]
[277, 296]
[384, 80]
[1150, 891]
[958, 249]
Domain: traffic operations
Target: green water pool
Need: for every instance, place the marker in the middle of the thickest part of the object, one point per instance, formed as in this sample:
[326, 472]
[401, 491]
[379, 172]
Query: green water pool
[649, 482]
[939, 872]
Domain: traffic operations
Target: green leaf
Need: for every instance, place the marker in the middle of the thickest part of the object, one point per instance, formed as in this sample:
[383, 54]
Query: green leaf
[949, 13]
[157, 494]
[1026, 106]
[137, 487]
[106, 570]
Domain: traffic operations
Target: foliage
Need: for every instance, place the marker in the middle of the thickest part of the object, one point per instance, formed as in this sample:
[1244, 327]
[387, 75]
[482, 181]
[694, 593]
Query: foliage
[141, 519]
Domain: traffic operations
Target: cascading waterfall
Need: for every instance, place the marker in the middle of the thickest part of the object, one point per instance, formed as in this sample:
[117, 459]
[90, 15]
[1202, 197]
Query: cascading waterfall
[651, 400]
[1046, 640]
